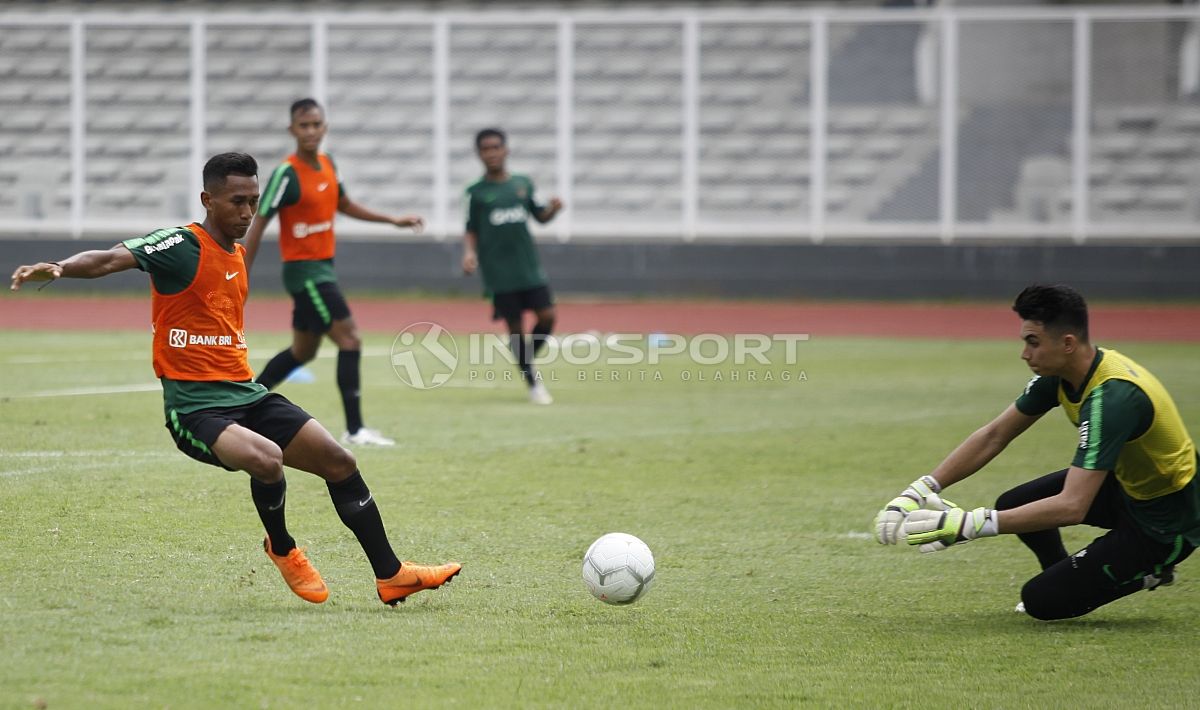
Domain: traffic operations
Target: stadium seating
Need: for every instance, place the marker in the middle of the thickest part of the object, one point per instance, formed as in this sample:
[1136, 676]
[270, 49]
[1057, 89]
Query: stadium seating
[753, 126]
[1142, 167]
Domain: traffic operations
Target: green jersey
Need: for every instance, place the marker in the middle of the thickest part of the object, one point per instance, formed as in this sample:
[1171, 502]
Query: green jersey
[1129, 425]
[497, 213]
[172, 258]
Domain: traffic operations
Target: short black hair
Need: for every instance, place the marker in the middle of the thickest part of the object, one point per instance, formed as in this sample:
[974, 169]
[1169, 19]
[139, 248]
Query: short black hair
[223, 165]
[1058, 308]
[490, 133]
[303, 105]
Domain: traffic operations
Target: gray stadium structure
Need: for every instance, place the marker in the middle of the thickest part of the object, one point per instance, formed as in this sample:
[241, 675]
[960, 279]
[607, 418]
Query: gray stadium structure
[761, 149]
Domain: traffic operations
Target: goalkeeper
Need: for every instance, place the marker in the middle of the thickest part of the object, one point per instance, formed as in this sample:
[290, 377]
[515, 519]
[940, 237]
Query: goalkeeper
[1133, 472]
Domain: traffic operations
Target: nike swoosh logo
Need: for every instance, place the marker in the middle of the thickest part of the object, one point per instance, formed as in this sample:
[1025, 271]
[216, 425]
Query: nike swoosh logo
[278, 505]
[404, 585]
[363, 503]
[322, 186]
[229, 276]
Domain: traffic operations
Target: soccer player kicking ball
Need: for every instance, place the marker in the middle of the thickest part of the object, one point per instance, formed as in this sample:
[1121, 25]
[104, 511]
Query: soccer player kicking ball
[1133, 472]
[498, 243]
[214, 411]
[307, 193]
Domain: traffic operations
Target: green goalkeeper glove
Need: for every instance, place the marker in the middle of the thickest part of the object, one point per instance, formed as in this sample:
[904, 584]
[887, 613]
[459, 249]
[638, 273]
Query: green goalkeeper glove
[921, 493]
[936, 530]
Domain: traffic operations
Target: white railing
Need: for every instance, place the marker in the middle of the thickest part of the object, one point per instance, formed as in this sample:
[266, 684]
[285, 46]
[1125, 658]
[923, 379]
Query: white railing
[831, 200]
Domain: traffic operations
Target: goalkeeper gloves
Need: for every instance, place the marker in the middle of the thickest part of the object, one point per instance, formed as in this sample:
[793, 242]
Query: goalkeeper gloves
[921, 493]
[936, 530]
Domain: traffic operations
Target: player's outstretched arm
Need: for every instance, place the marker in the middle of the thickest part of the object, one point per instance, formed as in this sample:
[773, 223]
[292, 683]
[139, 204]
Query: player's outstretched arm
[1069, 507]
[84, 265]
[935, 530]
[552, 208]
[350, 208]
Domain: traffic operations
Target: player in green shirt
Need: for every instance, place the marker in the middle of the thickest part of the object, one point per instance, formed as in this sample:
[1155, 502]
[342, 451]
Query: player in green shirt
[215, 413]
[1133, 472]
[498, 243]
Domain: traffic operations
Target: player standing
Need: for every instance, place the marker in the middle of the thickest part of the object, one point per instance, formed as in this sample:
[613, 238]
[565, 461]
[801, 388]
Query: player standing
[306, 192]
[213, 409]
[498, 243]
[1133, 471]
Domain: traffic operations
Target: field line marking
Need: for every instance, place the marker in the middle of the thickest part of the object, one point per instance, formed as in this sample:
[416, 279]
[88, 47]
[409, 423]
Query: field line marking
[80, 391]
[96, 459]
[326, 354]
[64, 359]
[85, 453]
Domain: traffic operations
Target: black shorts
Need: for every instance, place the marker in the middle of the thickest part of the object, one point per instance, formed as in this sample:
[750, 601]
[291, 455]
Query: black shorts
[273, 416]
[1110, 567]
[510, 305]
[318, 306]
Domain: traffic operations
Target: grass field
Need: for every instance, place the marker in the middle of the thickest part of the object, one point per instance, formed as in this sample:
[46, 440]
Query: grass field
[133, 576]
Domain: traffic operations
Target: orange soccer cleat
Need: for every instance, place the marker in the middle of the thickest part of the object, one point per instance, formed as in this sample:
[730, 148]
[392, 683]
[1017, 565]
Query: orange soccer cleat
[413, 578]
[300, 575]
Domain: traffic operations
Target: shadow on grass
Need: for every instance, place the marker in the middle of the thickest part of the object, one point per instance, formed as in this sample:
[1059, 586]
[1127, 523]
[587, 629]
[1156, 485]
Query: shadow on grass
[1020, 623]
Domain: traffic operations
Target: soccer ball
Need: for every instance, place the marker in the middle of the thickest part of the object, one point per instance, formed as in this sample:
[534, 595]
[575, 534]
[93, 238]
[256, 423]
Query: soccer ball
[618, 568]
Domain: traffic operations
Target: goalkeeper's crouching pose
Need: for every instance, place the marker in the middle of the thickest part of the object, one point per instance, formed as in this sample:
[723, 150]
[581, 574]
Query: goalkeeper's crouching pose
[1133, 472]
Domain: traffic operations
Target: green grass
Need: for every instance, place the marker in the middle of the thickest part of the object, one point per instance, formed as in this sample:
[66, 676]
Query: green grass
[133, 576]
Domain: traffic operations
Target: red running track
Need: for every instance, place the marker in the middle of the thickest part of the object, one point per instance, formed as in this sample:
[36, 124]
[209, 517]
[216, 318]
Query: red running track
[33, 311]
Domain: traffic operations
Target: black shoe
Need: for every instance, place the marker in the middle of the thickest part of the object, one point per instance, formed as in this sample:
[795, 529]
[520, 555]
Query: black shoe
[1165, 578]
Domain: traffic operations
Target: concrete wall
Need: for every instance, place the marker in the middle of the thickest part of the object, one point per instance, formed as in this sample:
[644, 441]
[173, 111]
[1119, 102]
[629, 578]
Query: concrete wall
[731, 270]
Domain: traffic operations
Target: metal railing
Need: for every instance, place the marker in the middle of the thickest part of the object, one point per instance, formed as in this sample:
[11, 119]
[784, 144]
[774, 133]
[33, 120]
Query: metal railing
[958, 187]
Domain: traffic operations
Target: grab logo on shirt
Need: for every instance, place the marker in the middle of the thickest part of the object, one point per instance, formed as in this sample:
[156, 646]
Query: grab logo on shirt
[507, 215]
[1083, 434]
[300, 230]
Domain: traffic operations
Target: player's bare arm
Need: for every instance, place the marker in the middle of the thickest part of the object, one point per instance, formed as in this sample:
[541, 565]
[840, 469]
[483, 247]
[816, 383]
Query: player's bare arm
[982, 446]
[470, 258]
[254, 237]
[1066, 508]
[84, 265]
[350, 208]
[552, 208]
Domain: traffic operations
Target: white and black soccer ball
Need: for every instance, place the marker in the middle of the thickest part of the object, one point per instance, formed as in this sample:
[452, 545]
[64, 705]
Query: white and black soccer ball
[618, 568]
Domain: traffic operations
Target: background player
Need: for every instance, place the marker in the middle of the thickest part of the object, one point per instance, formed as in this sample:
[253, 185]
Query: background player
[307, 193]
[1133, 472]
[215, 413]
[498, 243]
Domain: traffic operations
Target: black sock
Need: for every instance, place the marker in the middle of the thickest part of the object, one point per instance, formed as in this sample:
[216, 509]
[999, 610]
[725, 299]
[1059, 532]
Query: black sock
[524, 354]
[278, 369]
[268, 500]
[356, 507]
[348, 382]
[541, 331]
